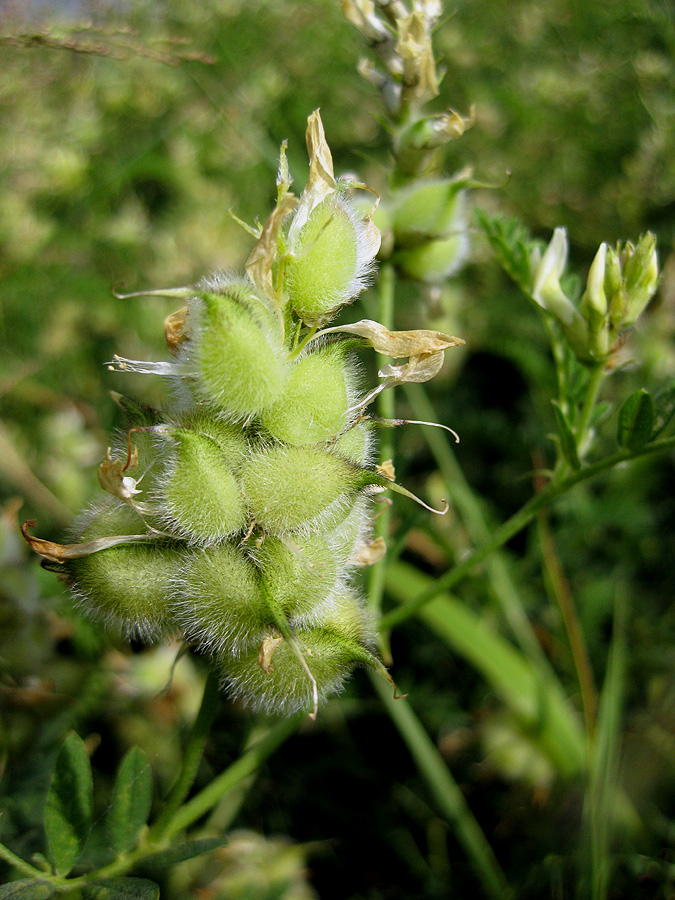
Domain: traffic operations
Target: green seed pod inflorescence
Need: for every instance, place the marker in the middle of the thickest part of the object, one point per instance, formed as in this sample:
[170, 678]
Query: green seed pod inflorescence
[128, 588]
[313, 405]
[291, 488]
[238, 344]
[201, 497]
[330, 259]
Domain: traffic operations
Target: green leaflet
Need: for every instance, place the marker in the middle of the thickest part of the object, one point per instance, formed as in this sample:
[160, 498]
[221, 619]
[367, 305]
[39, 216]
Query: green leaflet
[130, 802]
[69, 805]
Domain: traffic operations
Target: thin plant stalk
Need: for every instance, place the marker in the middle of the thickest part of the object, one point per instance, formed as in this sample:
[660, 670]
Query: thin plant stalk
[447, 794]
[192, 757]
[515, 524]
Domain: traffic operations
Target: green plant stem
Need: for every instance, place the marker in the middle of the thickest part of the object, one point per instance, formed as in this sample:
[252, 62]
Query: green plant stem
[242, 768]
[596, 377]
[21, 865]
[575, 636]
[516, 523]
[192, 757]
[447, 794]
[539, 702]
[473, 515]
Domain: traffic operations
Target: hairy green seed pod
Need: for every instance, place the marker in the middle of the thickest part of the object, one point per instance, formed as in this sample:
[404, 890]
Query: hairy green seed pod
[355, 443]
[428, 209]
[434, 261]
[241, 364]
[351, 531]
[127, 588]
[330, 260]
[290, 488]
[311, 409]
[201, 497]
[222, 608]
[299, 574]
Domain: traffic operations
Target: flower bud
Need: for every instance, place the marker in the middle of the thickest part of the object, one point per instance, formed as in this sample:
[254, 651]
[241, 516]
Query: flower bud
[201, 497]
[289, 488]
[641, 273]
[330, 259]
[317, 394]
[594, 306]
[241, 364]
[128, 588]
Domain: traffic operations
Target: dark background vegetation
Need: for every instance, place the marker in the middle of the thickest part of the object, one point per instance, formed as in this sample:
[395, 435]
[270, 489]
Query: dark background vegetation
[127, 133]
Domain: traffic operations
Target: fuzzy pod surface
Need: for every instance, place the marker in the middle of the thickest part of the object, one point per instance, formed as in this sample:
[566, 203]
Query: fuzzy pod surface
[328, 266]
[299, 575]
[201, 496]
[241, 363]
[289, 488]
[313, 403]
[222, 607]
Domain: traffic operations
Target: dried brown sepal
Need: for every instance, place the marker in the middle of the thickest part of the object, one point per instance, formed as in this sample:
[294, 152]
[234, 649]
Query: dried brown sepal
[397, 344]
[368, 553]
[61, 553]
[387, 470]
[175, 331]
[267, 648]
[261, 260]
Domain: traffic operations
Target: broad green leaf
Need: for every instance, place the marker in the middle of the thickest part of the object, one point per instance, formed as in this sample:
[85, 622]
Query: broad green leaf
[69, 804]
[26, 889]
[130, 802]
[121, 889]
[636, 421]
[189, 850]
[664, 410]
[568, 443]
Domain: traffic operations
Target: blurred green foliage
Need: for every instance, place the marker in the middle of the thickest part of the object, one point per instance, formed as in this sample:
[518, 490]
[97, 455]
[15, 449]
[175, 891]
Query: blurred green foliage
[124, 143]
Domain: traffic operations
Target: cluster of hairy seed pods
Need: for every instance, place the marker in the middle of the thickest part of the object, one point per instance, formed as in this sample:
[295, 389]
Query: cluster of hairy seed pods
[236, 517]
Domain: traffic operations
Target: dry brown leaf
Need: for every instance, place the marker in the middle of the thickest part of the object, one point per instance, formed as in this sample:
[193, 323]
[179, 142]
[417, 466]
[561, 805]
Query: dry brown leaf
[369, 552]
[174, 329]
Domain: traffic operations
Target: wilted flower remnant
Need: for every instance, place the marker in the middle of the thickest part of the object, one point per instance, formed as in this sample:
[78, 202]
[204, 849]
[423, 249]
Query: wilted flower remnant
[237, 516]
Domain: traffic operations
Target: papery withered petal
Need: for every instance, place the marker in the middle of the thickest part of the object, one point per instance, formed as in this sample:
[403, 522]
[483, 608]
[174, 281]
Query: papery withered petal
[418, 369]
[60, 553]
[175, 331]
[387, 470]
[112, 479]
[368, 553]
[261, 259]
[267, 648]
[397, 344]
[414, 48]
[321, 181]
